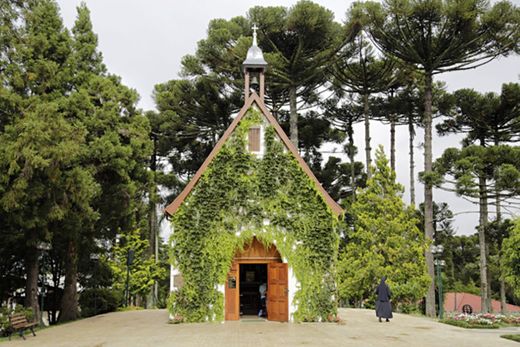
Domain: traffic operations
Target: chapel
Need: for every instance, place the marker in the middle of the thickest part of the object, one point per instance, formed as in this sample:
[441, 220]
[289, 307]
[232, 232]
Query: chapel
[253, 215]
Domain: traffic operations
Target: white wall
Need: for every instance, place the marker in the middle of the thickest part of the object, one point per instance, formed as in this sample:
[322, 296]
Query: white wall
[294, 284]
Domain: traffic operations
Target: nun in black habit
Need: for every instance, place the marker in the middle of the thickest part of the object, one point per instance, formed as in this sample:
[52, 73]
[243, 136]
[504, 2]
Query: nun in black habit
[383, 304]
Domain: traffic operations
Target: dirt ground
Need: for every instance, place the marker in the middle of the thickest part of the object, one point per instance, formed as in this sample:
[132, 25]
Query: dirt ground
[360, 328]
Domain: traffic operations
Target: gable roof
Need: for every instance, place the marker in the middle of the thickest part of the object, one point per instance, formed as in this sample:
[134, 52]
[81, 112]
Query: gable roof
[253, 98]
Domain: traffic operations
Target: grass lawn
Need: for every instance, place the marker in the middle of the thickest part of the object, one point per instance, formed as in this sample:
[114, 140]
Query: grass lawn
[515, 337]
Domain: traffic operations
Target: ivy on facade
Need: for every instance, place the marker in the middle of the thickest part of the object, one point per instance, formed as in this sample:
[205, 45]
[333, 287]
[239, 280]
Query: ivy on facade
[241, 196]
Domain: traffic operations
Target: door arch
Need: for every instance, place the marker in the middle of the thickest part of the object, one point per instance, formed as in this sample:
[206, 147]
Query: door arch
[277, 298]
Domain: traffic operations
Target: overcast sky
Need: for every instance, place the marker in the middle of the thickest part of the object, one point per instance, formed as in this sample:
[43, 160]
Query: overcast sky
[143, 41]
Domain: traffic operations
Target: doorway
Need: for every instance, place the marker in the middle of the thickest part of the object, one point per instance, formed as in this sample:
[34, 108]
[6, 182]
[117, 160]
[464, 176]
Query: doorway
[254, 265]
[252, 276]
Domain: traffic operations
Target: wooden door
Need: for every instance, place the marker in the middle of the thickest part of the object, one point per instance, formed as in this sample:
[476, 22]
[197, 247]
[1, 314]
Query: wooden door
[232, 306]
[277, 292]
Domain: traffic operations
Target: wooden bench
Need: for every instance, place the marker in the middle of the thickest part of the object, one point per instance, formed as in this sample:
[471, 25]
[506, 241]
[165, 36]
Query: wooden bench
[19, 323]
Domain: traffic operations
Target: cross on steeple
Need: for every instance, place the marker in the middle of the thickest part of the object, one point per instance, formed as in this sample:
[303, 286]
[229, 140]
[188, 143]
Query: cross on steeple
[254, 69]
[255, 28]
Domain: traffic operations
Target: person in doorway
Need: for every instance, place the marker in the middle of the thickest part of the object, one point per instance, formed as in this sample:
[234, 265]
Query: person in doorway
[383, 304]
[262, 290]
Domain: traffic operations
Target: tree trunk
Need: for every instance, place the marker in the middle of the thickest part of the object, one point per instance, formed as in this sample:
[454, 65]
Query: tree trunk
[69, 301]
[392, 143]
[293, 119]
[367, 135]
[483, 219]
[350, 132]
[489, 278]
[503, 303]
[428, 192]
[151, 300]
[411, 133]
[32, 270]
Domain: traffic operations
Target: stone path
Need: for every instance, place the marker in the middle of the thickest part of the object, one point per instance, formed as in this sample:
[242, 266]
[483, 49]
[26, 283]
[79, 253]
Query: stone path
[360, 328]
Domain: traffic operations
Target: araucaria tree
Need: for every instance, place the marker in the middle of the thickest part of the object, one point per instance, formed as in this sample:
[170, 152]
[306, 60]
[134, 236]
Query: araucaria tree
[482, 173]
[300, 42]
[385, 240]
[437, 36]
[486, 119]
[358, 70]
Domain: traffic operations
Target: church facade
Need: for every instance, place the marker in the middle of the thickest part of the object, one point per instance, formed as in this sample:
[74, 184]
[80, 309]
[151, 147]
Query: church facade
[253, 215]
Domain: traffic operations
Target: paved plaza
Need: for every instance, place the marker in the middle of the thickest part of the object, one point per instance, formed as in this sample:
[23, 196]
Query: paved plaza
[360, 328]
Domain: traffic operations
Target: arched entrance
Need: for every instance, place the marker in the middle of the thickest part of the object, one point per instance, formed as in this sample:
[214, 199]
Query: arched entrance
[257, 264]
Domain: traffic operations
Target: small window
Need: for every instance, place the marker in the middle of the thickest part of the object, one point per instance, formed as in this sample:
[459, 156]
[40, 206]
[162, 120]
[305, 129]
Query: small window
[254, 140]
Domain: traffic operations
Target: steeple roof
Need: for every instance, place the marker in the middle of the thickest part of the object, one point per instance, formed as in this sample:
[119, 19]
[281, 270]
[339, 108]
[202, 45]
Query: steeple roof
[255, 56]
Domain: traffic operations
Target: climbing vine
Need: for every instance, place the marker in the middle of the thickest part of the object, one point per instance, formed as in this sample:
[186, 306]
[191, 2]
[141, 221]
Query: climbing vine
[241, 196]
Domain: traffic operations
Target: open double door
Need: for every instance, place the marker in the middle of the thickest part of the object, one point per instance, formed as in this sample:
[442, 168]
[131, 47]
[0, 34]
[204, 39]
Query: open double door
[277, 292]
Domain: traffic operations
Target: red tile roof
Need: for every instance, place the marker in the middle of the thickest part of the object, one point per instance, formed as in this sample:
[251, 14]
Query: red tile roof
[453, 302]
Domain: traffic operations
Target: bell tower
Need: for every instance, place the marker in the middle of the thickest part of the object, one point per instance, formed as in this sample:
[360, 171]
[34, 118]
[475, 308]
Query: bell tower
[254, 70]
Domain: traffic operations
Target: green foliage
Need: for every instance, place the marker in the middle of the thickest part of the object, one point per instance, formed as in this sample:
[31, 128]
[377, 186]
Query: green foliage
[511, 259]
[499, 165]
[94, 301]
[443, 35]
[515, 337]
[143, 271]
[467, 325]
[488, 119]
[384, 240]
[241, 196]
[6, 312]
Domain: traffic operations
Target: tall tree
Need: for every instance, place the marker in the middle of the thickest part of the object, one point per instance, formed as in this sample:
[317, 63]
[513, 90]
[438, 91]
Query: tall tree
[437, 36]
[358, 70]
[382, 226]
[486, 119]
[344, 115]
[511, 258]
[302, 40]
[116, 152]
[40, 148]
[481, 173]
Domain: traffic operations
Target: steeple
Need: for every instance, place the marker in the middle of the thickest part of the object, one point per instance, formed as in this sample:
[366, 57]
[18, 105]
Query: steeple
[254, 69]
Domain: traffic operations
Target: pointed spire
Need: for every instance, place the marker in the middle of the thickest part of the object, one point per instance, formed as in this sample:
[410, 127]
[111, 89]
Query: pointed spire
[255, 56]
[255, 28]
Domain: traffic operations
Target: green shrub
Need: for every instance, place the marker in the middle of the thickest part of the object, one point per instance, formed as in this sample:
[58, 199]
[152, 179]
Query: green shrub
[6, 312]
[408, 308]
[130, 308]
[98, 300]
[4, 320]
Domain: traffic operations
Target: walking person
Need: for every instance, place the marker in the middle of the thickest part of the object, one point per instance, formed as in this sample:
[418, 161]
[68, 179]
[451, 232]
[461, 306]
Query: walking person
[383, 304]
[263, 291]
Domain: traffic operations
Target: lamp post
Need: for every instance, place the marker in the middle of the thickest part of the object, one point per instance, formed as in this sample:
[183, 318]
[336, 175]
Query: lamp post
[95, 257]
[43, 247]
[129, 262]
[437, 253]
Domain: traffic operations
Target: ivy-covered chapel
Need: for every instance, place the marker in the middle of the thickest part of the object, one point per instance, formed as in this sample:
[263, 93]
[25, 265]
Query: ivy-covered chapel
[253, 215]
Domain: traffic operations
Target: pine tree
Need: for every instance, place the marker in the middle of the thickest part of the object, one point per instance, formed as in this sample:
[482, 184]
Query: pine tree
[511, 258]
[117, 149]
[385, 240]
[436, 37]
[41, 149]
